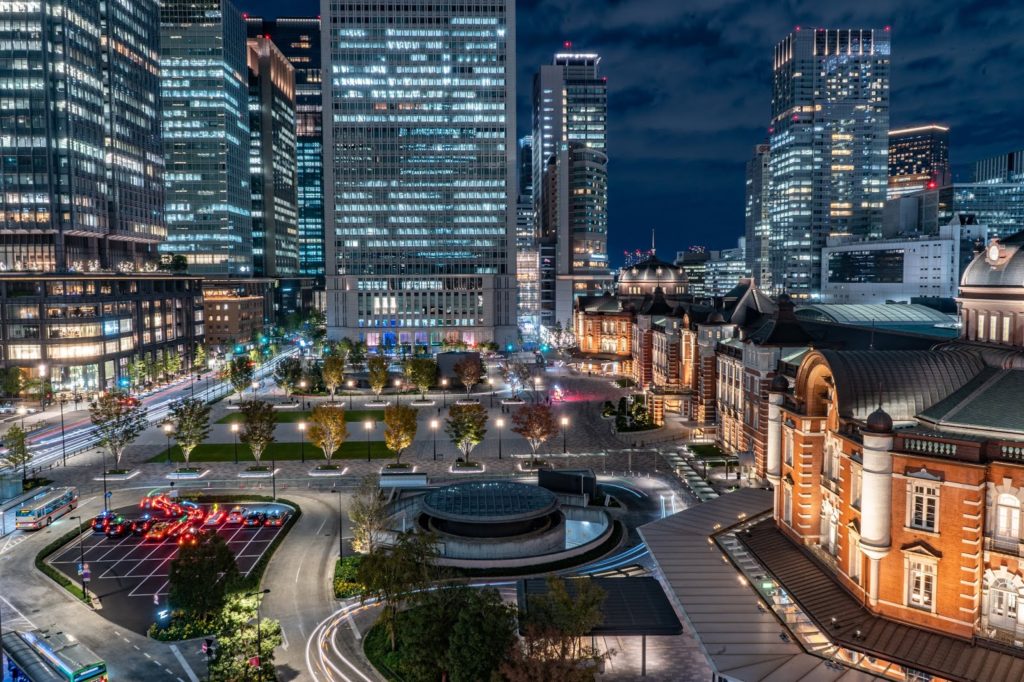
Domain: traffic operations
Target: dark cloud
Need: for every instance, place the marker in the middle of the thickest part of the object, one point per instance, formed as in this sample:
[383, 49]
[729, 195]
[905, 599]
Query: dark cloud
[690, 82]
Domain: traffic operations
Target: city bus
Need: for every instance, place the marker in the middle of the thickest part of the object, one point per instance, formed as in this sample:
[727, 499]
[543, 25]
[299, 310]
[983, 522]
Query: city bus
[40, 657]
[42, 509]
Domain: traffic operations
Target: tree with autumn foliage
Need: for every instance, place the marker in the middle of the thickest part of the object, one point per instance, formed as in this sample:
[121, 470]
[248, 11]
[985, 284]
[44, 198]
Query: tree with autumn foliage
[399, 428]
[466, 426]
[470, 371]
[535, 423]
[258, 428]
[328, 429]
[377, 370]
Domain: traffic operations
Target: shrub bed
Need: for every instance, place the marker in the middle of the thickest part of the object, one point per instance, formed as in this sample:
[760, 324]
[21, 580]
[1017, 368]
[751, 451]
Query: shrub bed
[51, 572]
[345, 583]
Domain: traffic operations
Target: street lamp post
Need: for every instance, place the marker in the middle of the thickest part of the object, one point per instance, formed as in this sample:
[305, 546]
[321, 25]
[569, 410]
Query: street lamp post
[499, 423]
[63, 447]
[369, 427]
[302, 387]
[42, 384]
[22, 411]
[259, 635]
[351, 385]
[341, 528]
[490, 381]
[433, 427]
[302, 435]
[536, 389]
[234, 432]
[565, 423]
[398, 391]
[255, 385]
[167, 432]
[444, 392]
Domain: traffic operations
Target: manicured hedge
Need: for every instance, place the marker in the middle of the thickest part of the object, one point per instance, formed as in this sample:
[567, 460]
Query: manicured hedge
[51, 572]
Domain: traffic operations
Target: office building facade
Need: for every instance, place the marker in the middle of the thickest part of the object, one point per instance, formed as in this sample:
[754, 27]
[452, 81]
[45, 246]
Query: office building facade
[272, 161]
[1002, 168]
[570, 176]
[420, 171]
[918, 159]
[205, 95]
[527, 245]
[82, 196]
[829, 150]
[999, 206]
[298, 39]
[755, 216]
[725, 268]
[96, 204]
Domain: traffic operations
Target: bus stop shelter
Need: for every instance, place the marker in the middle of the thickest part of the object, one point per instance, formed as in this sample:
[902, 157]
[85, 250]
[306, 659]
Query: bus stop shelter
[632, 607]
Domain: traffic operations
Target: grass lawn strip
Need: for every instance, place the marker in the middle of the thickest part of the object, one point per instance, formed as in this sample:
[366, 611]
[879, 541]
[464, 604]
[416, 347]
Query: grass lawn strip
[293, 416]
[281, 452]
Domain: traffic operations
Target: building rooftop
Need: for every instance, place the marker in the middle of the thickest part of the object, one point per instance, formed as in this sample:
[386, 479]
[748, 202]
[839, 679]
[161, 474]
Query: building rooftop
[991, 401]
[906, 382]
[740, 638]
[908, 317]
[814, 588]
[483, 501]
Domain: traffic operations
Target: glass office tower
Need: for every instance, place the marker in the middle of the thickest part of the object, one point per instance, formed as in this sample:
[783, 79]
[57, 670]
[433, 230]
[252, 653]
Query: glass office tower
[420, 172]
[829, 147]
[918, 159]
[298, 39]
[205, 93]
[755, 217]
[272, 161]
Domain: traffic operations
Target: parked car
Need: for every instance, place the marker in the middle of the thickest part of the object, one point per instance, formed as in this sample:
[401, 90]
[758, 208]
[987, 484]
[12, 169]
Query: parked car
[102, 520]
[141, 525]
[275, 518]
[118, 527]
[255, 519]
[237, 515]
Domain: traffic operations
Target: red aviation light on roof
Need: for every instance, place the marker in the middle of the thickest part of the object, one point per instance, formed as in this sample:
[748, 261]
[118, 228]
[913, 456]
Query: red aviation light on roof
[797, 28]
[932, 184]
[567, 44]
[888, 28]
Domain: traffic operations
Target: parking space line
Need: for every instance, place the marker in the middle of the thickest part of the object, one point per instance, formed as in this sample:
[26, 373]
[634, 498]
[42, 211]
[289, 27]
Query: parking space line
[137, 563]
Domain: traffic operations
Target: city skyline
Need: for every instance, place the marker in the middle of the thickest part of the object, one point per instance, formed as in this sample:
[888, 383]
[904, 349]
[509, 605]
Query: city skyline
[670, 158]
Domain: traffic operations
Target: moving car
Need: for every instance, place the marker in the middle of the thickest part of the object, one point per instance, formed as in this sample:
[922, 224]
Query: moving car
[237, 515]
[142, 524]
[118, 527]
[275, 518]
[102, 520]
[216, 516]
[158, 531]
[255, 519]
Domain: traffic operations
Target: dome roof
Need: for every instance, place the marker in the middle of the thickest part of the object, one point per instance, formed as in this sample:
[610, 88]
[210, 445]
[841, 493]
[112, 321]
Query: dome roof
[1000, 264]
[651, 271]
[878, 421]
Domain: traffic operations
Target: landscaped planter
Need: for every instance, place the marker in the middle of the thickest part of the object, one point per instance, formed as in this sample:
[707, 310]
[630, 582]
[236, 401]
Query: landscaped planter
[377, 403]
[528, 466]
[467, 401]
[258, 472]
[513, 401]
[467, 468]
[326, 472]
[423, 403]
[187, 474]
[286, 406]
[119, 475]
[402, 468]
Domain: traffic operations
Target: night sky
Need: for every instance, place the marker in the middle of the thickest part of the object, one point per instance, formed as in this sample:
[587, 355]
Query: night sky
[690, 82]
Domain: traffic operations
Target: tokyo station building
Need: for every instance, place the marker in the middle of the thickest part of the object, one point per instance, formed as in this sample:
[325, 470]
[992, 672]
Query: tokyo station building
[901, 475]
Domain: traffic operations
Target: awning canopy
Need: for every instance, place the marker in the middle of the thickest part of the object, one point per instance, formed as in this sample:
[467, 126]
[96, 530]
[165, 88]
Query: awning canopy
[632, 606]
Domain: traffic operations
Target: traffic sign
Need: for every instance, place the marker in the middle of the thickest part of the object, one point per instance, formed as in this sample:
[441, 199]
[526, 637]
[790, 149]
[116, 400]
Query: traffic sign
[109, 493]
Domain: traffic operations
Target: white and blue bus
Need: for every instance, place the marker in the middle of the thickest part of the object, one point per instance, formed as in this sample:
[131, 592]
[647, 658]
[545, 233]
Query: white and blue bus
[41, 657]
[41, 510]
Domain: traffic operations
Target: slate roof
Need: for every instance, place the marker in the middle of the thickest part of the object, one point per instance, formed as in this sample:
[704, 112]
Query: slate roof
[994, 400]
[980, 274]
[907, 382]
[875, 314]
[822, 598]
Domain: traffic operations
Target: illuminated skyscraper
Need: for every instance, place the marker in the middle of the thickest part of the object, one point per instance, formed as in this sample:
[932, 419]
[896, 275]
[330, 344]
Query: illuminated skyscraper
[829, 147]
[298, 39]
[272, 163]
[420, 172]
[570, 178]
[81, 184]
[527, 245]
[205, 95]
[755, 215]
[918, 159]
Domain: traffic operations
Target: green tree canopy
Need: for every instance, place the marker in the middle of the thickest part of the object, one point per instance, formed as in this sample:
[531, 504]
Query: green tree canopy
[392, 574]
[201, 575]
[422, 374]
[466, 426]
[258, 427]
[334, 373]
[377, 367]
[191, 418]
[399, 428]
[240, 373]
[119, 419]
[17, 455]
[328, 429]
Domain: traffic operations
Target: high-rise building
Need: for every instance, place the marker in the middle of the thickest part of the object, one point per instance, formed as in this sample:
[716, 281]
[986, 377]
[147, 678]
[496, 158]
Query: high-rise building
[298, 39]
[725, 268]
[918, 159]
[82, 196]
[96, 203]
[829, 147]
[1001, 168]
[999, 206]
[420, 172]
[527, 245]
[755, 216]
[570, 175]
[272, 161]
[205, 96]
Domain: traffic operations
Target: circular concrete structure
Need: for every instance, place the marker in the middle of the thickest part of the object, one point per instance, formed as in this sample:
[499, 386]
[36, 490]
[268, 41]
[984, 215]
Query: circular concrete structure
[493, 519]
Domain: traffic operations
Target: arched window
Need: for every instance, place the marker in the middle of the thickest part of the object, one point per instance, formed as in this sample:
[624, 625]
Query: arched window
[1008, 518]
[1002, 604]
